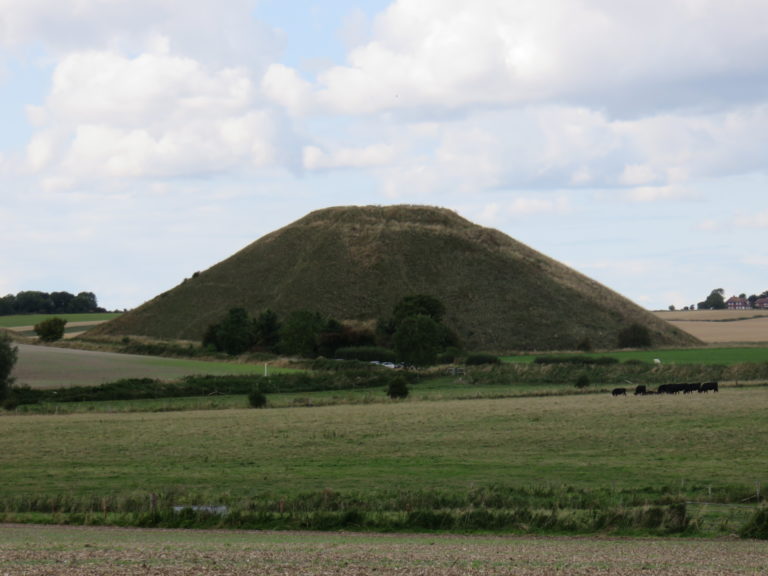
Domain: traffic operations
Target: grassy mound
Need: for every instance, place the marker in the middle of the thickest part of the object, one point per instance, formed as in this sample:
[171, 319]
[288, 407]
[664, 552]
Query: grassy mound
[355, 263]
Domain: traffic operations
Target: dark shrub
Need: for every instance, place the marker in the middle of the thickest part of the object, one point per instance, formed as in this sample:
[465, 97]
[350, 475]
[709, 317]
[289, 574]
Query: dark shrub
[8, 356]
[582, 381]
[757, 526]
[51, 329]
[583, 360]
[398, 388]
[478, 359]
[257, 399]
[366, 353]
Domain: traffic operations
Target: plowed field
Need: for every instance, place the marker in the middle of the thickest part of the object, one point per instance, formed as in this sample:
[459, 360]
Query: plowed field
[722, 326]
[67, 551]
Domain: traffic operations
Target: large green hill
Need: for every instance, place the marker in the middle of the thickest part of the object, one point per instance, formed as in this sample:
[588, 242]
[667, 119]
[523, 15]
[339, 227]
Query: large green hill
[355, 263]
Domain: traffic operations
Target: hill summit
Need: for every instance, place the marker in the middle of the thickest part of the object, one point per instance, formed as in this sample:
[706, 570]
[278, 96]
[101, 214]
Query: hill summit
[356, 263]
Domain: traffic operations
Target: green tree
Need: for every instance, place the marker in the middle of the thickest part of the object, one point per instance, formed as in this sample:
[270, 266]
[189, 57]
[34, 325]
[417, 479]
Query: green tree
[84, 302]
[33, 302]
[417, 340]
[266, 330]
[235, 333]
[7, 305]
[61, 302]
[419, 304]
[51, 329]
[715, 300]
[299, 333]
[8, 356]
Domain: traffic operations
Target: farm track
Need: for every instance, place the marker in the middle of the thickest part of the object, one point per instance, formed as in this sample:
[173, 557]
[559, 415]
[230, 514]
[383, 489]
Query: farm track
[73, 551]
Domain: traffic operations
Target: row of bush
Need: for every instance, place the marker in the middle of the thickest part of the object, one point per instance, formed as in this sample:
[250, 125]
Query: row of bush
[522, 512]
[146, 388]
[577, 359]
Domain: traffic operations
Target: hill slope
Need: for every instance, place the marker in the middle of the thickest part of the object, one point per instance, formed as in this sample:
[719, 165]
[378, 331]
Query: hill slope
[357, 262]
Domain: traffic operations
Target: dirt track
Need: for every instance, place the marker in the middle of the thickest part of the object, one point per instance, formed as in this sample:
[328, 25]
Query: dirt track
[48, 550]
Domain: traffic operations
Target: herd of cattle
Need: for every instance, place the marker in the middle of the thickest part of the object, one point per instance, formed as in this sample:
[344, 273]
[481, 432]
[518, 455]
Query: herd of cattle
[685, 388]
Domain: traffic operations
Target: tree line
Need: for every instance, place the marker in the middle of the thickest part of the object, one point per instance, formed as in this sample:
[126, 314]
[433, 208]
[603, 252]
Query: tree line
[716, 300]
[36, 302]
[414, 334]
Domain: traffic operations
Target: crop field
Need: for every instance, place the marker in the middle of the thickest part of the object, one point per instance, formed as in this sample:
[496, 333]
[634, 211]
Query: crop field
[724, 327]
[51, 367]
[78, 551]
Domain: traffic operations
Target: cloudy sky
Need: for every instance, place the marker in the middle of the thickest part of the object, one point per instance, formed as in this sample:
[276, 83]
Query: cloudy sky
[144, 140]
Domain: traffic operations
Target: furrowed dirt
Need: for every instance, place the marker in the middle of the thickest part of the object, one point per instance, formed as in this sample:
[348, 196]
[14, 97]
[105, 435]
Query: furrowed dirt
[68, 551]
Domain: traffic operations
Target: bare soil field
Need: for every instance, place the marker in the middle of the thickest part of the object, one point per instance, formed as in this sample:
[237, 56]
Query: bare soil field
[76, 551]
[722, 326]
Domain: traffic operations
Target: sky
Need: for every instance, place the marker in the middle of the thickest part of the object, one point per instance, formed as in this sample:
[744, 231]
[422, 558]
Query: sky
[144, 140]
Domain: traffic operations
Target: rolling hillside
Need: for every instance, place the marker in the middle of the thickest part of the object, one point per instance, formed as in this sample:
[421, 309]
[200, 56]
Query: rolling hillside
[355, 263]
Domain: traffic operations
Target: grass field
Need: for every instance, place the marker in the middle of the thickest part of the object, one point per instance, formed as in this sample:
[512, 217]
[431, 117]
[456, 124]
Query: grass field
[726, 356]
[24, 324]
[28, 320]
[704, 448]
[51, 367]
[68, 551]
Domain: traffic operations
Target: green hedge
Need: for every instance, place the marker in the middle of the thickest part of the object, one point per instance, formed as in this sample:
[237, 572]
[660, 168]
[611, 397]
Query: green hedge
[145, 388]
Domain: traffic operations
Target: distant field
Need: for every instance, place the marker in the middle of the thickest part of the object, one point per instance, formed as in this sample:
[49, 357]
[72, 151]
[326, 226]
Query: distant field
[70, 551]
[51, 367]
[24, 320]
[24, 324]
[722, 326]
[726, 356]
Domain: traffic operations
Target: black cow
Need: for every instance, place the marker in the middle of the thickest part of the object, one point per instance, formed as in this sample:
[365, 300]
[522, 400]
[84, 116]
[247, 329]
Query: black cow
[619, 392]
[669, 389]
[707, 386]
[641, 390]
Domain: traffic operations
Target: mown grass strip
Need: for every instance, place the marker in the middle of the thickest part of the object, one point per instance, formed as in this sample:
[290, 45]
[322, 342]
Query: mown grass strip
[15, 320]
[724, 356]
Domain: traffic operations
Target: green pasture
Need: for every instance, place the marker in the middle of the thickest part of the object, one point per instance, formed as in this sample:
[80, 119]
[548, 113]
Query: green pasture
[16, 320]
[435, 390]
[53, 367]
[723, 356]
[699, 445]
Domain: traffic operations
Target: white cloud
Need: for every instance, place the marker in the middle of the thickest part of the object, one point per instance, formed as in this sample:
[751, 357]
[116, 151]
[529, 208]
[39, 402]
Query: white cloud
[528, 206]
[452, 55]
[110, 116]
[217, 33]
[376, 155]
[755, 220]
[284, 86]
[656, 193]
